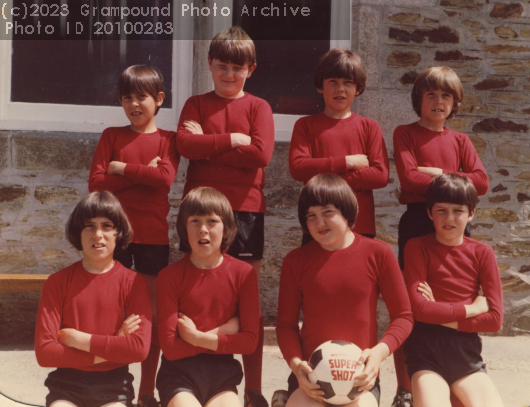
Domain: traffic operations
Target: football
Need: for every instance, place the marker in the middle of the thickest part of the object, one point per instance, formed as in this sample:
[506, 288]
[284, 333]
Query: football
[334, 365]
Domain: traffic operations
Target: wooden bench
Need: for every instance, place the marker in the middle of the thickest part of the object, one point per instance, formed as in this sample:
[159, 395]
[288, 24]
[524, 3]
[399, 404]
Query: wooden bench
[18, 283]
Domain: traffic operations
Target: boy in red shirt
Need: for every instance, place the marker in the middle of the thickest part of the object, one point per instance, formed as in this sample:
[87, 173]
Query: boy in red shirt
[228, 136]
[82, 308]
[138, 164]
[338, 141]
[422, 150]
[336, 280]
[445, 272]
[198, 298]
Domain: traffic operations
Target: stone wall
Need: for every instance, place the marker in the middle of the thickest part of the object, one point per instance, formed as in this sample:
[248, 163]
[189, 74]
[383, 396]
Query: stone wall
[43, 175]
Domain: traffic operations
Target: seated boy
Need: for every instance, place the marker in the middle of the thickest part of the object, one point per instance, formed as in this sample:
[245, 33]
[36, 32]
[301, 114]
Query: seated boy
[336, 280]
[445, 272]
[228, 136]
[338, 141]
[197, 297]
[94, 316]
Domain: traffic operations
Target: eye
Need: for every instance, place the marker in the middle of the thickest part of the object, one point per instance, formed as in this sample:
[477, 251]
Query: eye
[126, 98]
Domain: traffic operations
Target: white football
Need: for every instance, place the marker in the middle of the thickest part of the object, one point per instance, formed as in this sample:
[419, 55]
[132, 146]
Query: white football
[334, 365]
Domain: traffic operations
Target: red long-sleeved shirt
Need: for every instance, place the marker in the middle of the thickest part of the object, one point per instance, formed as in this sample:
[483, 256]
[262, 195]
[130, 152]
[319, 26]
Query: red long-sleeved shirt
[210, 297]
[320, 145]
[415, 146]
[96, 304]
[236, 172]
[337, 292]
[142, 190]
[455, 275]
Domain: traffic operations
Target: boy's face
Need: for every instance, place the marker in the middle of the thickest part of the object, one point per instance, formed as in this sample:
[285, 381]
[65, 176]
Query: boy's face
[327, 226]
[436, 106]
[205, 235]
[229, 78]
[140, 109]
[338, 95]
[98, 239]
[450, 221]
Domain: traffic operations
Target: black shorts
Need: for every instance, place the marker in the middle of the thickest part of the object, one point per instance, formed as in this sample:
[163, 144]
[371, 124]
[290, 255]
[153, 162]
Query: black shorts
[148, 258]
[450, 353]
[204, 375]
[306, 237]
[415, 222]
[90, 389]
[250, 237]
[292, 382]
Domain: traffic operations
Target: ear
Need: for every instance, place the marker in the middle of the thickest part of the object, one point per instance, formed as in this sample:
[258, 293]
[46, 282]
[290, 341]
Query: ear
[160, 98]
[209, 64]
[251, 69]
[470, 218]
[320, 90]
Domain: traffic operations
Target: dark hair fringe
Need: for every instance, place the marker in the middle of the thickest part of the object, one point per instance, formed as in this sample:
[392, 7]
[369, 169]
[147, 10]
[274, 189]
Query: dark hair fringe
[233, 46]
[326, 189]
[340, 63]
[203, 201]
[94, 205]
[452, 188]
[141, 79]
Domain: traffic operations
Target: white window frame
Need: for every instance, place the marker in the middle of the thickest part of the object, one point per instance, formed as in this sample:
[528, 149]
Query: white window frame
[87, 118]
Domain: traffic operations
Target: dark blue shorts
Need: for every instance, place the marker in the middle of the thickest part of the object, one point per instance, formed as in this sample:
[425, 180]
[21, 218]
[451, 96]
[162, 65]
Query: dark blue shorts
[448, 352]
[90, 389]
[250, 238]
[204, 376]
[147, 258]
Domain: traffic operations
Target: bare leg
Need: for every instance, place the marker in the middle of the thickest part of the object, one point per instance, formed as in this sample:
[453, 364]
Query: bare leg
[477, 390]
[224, 399]
[184, 399]
[429, 389]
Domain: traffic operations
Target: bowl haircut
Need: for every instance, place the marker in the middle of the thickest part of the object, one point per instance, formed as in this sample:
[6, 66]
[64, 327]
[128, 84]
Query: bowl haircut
[340, 63]
[437, 78]
[141, 79]
[325, 189]
[452, 188]
[94, 205]
[204, 201]
[233, 46]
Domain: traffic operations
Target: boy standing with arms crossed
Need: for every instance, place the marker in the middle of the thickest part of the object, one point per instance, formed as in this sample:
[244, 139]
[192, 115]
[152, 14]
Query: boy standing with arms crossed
[445, 272]
[228, 136]
[338, 141]
[423, 150]
[138, 164]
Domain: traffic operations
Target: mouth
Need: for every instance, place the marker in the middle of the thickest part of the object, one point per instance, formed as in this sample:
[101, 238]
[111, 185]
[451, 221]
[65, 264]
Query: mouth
[204, 242]
[339, 98]
[448, 227]
[136, 113]
[98, 245]
[437, 110]
[323, 232]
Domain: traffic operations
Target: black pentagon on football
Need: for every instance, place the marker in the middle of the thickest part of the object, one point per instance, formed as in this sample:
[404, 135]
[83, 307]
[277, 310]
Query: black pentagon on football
[315, 358]
[354, 393]
[327, 389]
[341, 343]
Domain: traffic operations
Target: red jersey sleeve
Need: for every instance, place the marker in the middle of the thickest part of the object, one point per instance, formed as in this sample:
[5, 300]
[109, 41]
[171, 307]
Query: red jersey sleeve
[431, 312]
[199, 146]
[130, 348]
[490, 282]
[376, 175]
[406, 164]
[246, 340]
[259, 153]
[394, 294]
[98, 179]
[472, 166]
[49, 352]
[289, 306]
[167, 311]
[302, 165]
[161, 176]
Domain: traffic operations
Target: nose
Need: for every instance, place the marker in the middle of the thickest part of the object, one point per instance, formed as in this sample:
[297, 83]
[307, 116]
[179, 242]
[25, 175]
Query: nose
[98, 232]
